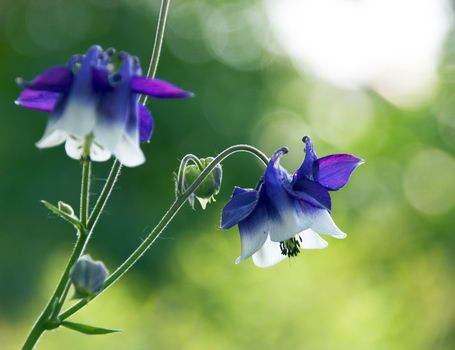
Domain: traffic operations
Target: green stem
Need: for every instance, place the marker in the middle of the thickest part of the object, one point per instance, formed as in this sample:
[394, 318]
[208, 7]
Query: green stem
[55, 303]
[104, 196]
[85, 188]
[158, 44]
[151, 72]
[181, 172]
[62, 288]
[84, 210]
[47, 315]
[158, 229]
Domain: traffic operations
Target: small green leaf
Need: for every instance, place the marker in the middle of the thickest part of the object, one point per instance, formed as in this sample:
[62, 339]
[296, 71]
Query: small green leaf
[72, 219]
[86, 329]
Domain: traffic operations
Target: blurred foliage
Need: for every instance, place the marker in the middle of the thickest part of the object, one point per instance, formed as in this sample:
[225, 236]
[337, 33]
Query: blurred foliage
[389, 285]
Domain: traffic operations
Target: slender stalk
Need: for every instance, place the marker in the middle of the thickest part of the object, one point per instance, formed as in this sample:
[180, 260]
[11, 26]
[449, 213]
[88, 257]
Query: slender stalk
[158, 229]
[158, 44]
[104, 196]
[151, 72]
[84, 205]
[56, 301]
[181, 172]
[52, 309]
[83, 214]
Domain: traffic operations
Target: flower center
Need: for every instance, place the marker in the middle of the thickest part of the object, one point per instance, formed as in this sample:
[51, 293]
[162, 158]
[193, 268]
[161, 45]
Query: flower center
[291, 247]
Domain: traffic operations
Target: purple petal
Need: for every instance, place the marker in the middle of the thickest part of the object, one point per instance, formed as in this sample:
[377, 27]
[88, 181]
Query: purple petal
[145, 124]
[312, 193]
[157, 88]
[40, 100]
[253, 230]
[77, 107]
[285, 219]
[55, 79]
[242, 203]
[100, 77]
[115, 105]
[309, 166]
[335, 170]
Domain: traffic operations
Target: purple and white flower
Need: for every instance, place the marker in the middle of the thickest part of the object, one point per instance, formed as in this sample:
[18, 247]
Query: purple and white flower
[286, 213]
[94, 108]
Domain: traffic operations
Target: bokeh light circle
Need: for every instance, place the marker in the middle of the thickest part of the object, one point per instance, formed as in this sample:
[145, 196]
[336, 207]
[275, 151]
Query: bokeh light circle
[429, 181]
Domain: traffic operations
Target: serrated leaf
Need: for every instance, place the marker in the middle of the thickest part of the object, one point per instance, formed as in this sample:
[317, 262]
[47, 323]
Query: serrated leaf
[71, 219]
[86, 329]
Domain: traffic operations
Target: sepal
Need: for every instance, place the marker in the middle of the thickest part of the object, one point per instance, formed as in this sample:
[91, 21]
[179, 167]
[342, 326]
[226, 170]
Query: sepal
[66, 212]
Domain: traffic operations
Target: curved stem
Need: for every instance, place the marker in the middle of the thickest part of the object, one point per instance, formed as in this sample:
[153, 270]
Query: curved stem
[181, 172]
[158, 229]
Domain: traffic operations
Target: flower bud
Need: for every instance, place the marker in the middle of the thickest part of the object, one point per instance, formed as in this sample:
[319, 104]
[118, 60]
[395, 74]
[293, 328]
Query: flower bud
[209, 188]
[88, 277]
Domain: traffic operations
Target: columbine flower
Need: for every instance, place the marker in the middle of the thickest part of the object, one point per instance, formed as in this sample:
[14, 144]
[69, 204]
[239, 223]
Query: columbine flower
[284, 214]
[95, 108]
[88, 277]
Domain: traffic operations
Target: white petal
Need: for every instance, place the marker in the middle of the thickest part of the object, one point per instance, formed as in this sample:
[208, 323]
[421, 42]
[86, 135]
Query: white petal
[78, 118]
[324, 224]
[52, 137]
[254, 231]
[288, 222]
[108, 134]
[311, 240]
[128, 152]
[74, 147]
[269, 254]
[99, 153]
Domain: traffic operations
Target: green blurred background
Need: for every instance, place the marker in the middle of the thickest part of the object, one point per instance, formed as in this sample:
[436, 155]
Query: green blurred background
[389, 285]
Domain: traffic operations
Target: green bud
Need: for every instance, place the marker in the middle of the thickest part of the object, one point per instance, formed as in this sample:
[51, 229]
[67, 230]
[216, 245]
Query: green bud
[66, 208]
[209, 188]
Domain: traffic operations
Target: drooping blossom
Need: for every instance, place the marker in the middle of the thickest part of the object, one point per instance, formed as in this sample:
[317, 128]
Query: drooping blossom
[93, 105]
[284, 213]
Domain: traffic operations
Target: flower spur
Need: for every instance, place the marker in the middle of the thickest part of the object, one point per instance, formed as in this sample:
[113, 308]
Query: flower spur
[95, 109]
[283, 213]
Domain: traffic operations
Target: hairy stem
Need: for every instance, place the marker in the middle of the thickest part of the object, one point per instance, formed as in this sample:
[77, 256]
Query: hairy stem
[56, 301]
[89, 222]
[181, 172]
[165, 220]
[158, 44]
[85, 188]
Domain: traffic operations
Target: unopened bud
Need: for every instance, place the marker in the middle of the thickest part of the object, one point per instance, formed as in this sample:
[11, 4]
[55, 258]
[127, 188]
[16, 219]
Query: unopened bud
[88, 277]
[209, 188]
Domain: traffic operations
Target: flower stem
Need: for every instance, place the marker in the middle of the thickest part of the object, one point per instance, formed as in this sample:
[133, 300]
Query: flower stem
[168, 216]
[104, 196]
[84, 205]
[58, 297]
[158, 44]
[56, 301]
[151, 72]
[182, 167]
